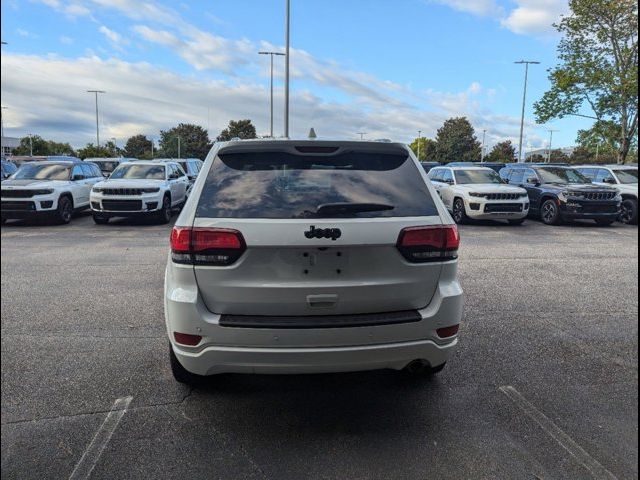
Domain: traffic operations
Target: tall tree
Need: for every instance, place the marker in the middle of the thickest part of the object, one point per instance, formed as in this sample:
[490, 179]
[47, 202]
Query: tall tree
[237, 129]
[40, 146]
[457, 142]
[138, 146]
[94, 151]
[599, 68]
[192, 140]
[503, 152]
[427, 149]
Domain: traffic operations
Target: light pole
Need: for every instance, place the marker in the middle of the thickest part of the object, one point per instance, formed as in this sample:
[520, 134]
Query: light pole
[151, 138]
[2, 123]
[271, 54]
[115, 146]
[526, 64]
[362, 134]
[30, 145]
[96, 92]
[419, 134]
[178, 148]
[484, 135]
[286, 70]
[550, 140]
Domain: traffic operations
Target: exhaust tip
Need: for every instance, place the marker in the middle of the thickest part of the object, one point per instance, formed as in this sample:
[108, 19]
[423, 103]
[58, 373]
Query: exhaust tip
[417, 366]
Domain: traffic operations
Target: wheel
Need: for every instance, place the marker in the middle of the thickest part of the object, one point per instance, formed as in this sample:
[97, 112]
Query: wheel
[100, 220]
[518, 221]
[459, 212]
[629, 211]
[180, 373]
[164, 215]
[604, 222]
[550, 213]
[65, 210]
[419, 368]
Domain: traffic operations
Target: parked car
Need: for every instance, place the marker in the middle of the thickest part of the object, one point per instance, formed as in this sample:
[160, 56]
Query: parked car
[427, 166]
[624, 178]
[496, 166]
[191, 166]
[311, 256]
[53, 188]
[140, 188]
[8, 169]
[478, 193]
[108, 165]
[559, 193]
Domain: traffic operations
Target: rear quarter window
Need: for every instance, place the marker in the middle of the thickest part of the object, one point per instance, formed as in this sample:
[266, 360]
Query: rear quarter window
[286, 185]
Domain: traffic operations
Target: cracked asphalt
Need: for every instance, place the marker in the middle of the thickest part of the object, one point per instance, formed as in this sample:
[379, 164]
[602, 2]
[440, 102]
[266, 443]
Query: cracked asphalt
[550, 311]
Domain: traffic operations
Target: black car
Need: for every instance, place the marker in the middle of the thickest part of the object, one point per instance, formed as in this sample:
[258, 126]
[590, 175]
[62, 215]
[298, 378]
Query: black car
[559, 193]
[427, 166]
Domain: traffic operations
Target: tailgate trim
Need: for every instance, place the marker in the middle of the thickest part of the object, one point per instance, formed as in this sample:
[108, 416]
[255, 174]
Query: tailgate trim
[319, 321]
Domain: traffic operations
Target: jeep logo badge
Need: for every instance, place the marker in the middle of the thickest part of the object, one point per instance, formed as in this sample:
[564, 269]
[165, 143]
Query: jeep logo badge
[331, 233]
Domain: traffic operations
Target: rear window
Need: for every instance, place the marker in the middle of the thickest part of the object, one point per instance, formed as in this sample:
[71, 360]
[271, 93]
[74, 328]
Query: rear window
[284, 185]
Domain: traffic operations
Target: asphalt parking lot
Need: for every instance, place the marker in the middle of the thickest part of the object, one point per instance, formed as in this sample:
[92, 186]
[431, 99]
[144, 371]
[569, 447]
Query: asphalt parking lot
[544, 383]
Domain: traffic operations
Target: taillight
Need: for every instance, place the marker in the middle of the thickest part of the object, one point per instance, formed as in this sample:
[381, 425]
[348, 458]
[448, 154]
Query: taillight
[447, 332]
[187, 338]
[429, 244]
[206, 246]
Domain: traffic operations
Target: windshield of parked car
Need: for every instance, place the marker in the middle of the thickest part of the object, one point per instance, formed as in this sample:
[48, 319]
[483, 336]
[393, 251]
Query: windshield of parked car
[561, 175]
[139, 172]
[627, 176]
[465, 177]
[355, 184]
[40, 171]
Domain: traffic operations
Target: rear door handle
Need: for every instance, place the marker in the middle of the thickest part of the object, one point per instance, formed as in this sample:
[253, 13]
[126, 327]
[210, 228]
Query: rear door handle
[322, 301]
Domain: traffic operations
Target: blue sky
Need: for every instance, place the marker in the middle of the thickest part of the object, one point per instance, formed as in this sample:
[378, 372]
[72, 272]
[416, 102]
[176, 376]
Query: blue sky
[389, 68]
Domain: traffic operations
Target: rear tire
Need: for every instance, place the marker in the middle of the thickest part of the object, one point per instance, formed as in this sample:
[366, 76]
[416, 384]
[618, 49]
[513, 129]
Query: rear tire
[64, 211]
[629, 214]
[519, 221]
[605, 223]
[459, 212]
[550, 212]
[180, 373]
[164, 215]
[100, 220]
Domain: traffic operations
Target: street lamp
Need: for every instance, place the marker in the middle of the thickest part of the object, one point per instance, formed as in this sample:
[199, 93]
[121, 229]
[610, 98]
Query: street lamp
[2, 122]
[178, 147]
[96, 92]
[115, 146]
[419, 134]
[484, 134]
[362, 134]
[550, 140]
[30, 144]
[526, 63]
[271, 54]
[286, 70]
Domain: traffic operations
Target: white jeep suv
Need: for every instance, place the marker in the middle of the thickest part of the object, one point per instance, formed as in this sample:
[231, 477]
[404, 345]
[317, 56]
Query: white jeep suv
[311, 256]
[625, 179]
[479, 193]
[51, 188]
[140, 188]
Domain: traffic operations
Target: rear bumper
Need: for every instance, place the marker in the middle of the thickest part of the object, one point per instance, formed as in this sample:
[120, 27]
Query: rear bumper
[213, 360]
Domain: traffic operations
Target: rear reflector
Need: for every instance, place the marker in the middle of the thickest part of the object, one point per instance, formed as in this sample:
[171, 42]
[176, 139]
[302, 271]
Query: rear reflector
[447, 332]
[206, 246]
[186, 338]
[429, 244]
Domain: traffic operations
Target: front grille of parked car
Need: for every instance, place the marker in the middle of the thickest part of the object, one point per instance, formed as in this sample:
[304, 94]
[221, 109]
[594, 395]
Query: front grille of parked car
[598, 195]
[502, 196]
[599, 208]
[122, 191]
[19, 206]
[122, 205]
[17, 193]
[502, 207]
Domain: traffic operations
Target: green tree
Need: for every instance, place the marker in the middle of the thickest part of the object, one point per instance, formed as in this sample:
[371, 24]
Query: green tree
[138, 146]
[457, 142]
[192, 140]
[503, 152]
[94, 151]
[237, 129]
[599, 68]
[581, 155]
[41, 147]
[427, 149]
[536, 158]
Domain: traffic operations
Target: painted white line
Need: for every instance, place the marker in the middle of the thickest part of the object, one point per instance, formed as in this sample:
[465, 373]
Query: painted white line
[92, 454]
[587, 461]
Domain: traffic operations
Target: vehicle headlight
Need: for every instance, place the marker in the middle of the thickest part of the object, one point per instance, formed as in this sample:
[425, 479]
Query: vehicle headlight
[150, 190]
[97, 189]
[524, 195]
[475, 194]
[43, 191]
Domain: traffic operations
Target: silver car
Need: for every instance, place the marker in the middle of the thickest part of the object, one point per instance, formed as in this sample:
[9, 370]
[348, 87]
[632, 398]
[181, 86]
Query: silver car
[308, 257]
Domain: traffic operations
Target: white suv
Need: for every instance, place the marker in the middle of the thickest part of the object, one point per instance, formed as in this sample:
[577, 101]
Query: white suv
[479, 193]
[311, 256]
[52, 188]
[625, 179]
[140, 188]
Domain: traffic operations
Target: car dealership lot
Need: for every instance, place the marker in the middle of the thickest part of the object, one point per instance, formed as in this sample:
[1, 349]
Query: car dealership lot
[544, 383]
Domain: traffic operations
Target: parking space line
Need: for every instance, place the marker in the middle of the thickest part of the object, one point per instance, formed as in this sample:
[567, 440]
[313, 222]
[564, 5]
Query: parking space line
[92, 454]
[587, 461]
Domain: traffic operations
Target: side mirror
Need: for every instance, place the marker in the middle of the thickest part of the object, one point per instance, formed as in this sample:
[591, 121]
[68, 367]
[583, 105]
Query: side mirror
[77, 177]
[192, 177]
[609, 180]
[533, 181]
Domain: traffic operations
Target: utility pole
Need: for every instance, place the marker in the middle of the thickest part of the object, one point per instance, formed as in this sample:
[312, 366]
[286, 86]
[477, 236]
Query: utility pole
[419, 134]
[96, 92]
[484, 134]
[31, 145]
[286, 70]
[526, 64]
[362, 134]
[178, 148]
[115, 146]
[550, 140]
[2, 122]
[271, 54]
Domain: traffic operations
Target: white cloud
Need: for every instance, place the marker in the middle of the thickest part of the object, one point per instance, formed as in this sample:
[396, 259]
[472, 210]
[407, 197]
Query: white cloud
[476, 7]
[66, 40]
[25, 33]
[115, 38]
[535, 16]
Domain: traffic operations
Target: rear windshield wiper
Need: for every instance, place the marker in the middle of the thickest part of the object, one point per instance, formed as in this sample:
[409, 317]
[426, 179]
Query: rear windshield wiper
[343, 208]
